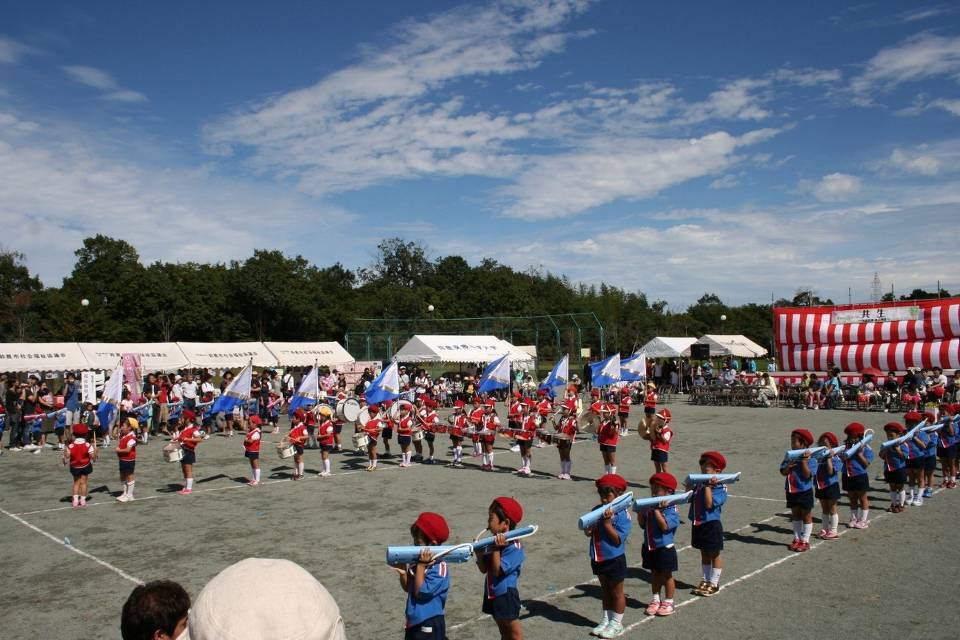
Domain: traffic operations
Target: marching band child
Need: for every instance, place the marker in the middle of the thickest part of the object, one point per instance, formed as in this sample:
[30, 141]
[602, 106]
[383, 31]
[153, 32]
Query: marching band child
[501, 563]
[251, 448]
[707, 530]
[189, 437]
[649, 409]
[273, 412]
[298, 438]
[827, 488]
[476, 420]
[456, 434]
[80, 454]
[127, 455]
[568, 427]
[524, 437]
[608, 540]
[930, 455]
[917, 448]
[405, 433]
[430, 419]
[544, 407]
[426, 582]
[798, 483]
[386, 433]
[623, 410]
[326, 433]
[608, 435]
[947, 451]
[894, 465]
[660, 437]
[491, 422]
[372, 429]
[658, 552]
[337, 422]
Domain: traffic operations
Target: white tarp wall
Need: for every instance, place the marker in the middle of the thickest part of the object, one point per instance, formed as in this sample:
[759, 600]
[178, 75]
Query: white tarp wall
[154, 356]
[739, 346]
[461, 349]
[42, 356]
[229, 355]
[667, 348]
[305, 354]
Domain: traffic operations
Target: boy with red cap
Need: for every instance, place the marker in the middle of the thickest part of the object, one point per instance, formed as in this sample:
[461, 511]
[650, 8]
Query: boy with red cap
[251, 448]
[298, 438]
[372, 429]
[856, 480]
[798, 484]
[544, 407]
[326, 436]
[608, 540]
[659, 553]
[80, 454]
[660, 437]
[476, 420]
[501, 563]
[608, 435]
[405, 433]
[528, 430]
[917, 448]
[649, 410]
[190, 436]
[827, 487]
[567, 427]
[894, 466]
[947, 449]
[707, 530]
[457, 432]
[491, 423]
[623, 410]
[127, 455]
[930, 454]
[426, 582]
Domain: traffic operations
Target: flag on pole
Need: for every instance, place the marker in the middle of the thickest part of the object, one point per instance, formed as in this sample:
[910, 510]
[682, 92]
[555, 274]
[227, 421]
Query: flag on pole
[634, 368]
[236, 393]
[385, 386]
[496, 375]
[308, 394]
[606, 371]
[112, 392]
[559, 376]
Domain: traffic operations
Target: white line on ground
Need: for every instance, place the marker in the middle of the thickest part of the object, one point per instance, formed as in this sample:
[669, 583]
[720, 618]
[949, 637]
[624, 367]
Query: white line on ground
[730, 495]
[103, 563]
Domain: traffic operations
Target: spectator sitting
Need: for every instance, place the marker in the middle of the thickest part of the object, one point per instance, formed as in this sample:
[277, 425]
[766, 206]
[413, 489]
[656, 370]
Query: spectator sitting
[768, 389]
[155, 611]
[890, 390]
[699, 381]
[728, 377]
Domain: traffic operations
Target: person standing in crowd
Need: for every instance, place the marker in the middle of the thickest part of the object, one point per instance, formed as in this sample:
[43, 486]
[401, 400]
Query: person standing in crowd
[13, 403]
[151, 389]
[587, 376]
[29, 407]
[189, 392]
[71, 400]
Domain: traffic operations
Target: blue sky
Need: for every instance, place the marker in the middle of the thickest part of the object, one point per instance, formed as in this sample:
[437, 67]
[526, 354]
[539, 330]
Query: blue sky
[747, 149]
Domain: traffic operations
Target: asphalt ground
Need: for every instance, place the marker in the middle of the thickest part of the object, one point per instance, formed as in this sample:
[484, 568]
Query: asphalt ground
[895, 579]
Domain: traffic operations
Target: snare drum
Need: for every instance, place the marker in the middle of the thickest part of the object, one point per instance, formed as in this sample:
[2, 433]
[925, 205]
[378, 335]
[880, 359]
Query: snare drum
[417, 435]
[394, 411]
[363, 417]
[172, 453]
[546, 436]
[285, 448]
[360, 441]
[562, 438]
[483, 433]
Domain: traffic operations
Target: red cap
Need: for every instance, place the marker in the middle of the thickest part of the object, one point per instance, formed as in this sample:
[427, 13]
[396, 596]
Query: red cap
[912, 415]
[256, 421]
[422, 398]
[433, 526]
[517, 394]
[387, 404]
[896, 427]
[431, 403]
[80, 430]
[831, 438]
[665, 415]
[374, 409]
[595, 393]
[614, 480]
[300, 413]
[665, 480]
[490, 402]
[541, 392]
[459, 404]
[716, 459]
[854, 429]
[477, 400]
[511, 509]
[188, 415]
[805, 436]
[930, 417]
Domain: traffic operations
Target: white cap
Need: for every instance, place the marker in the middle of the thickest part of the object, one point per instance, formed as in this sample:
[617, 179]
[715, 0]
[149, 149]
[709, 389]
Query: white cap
[289, 604]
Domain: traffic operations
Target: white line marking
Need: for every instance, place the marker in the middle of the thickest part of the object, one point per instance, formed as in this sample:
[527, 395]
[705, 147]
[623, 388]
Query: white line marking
[730, 495]
[103, 563]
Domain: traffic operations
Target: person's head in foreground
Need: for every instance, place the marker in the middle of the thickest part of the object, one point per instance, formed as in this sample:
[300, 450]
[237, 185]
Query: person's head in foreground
[155, 611]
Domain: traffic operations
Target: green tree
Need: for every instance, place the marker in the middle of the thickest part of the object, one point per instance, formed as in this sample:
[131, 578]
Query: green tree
[18, 290]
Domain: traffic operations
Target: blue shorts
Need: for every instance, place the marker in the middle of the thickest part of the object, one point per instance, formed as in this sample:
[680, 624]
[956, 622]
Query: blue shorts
[298, 449]
[82, 471]
[504, 607]
[326, 448]
[830, 492]
[608, 448]
[404, 440]
[804, 500]
[658, 455]
[661, 560]
[127, 466]
[856, 483]
[434, 628]
[189, 456]
[930, 463]
[707, 536]
[386, 434]
[251, 455]
[614, 568]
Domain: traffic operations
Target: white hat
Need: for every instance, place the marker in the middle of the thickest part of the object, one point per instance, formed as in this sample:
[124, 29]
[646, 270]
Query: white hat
[290, 604]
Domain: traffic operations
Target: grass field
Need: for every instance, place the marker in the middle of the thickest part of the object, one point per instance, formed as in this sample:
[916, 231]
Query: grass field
[894, 579]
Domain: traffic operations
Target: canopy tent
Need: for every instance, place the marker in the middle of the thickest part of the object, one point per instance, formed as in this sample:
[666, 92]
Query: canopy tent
[667, 348]
[154, 356]
[42, 356]
[305, 354]
[473, 349]
[230, 355]
[740, 346]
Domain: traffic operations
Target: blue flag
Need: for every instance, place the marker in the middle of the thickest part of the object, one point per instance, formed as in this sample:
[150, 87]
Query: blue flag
[236, 393]
[308, 394]
[112, 392]
[634, 368]
[385, 386]
[606, 371]
[559, 376]
[496, 375]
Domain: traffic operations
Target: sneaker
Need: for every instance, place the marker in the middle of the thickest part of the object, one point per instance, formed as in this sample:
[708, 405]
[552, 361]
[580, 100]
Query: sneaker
[928, 492]
[540, 445]
[652, 608]
[324, 474]
[76, 502]
[852, 524]
[252, 483]
[863, 524]
[29, 447]
[613, 630]
[516, 449]
[16, 449]
[822, 533]
[185, 492]
[952, 484]
[710, 590]
[458, 465]
[666, 609]
[698, 590]
[793, 545]
[122, 498]
[597, 630]
[371, 468]
[918, 502]
[830, 535]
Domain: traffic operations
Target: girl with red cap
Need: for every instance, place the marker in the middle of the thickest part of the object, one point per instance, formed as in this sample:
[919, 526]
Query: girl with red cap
[490, 423]
[707, 529]
[568, 428]
[917, 447]
[298, 438]
[798, 484]
[649, 409]
[126, 451]
[528, 430]
[372, 429]
[608, 435]
[457, 432]
[251, 449]
[894, 467]
[827, 488]
[856, 480]
[80, 454]
[426, 582]
[189, 438]
[501, 564]
[660, 435]
[947, 449]
[476, 419]
[608, 539]
[659, 553]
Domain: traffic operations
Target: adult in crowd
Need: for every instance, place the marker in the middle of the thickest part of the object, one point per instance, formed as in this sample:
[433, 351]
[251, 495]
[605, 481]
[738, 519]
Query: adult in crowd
[155, 611]
[891, 390]
[587, 376]
[189, 392]
[768, 389]
[151, 391]
[71, 399]
[13, 404]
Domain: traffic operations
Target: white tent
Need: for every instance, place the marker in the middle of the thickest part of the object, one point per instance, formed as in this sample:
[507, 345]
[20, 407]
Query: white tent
[41, 356]
[740, 346]
[667, 348]
[304, 354]
[472, 349]
[230, 355]
[154, 356]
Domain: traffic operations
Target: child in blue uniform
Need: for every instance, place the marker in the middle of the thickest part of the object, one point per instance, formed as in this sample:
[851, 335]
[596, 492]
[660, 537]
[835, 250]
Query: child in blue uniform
[707, 530]
[917, 447]
[798, 484]
[947, 451]
[659, 554]
[608, 540]
[930, 455]
[856, 480]
[894, 467]
[426, 582]
[502, 564]
[827, 488]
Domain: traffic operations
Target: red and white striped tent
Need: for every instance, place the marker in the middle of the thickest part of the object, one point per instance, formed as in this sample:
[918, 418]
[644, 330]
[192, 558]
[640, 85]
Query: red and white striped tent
[889, 336]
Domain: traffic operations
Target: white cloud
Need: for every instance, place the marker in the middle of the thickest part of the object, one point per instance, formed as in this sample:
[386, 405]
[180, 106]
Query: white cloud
[836, 186]
[952, 106]
[916, 15]
[12, 51]
[728, 181]
[100, 79]
[808, 77]
[927, 159]
[923, 56]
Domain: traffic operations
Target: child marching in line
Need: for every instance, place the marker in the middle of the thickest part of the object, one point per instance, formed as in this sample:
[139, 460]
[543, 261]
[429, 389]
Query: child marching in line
[372, 429]
[947, 451]
[326, 434]
[501, 564]
[649, 410]
[456, 434]
[798, 484]
[251, 448]
[660, 438]
[127, 455]
[623, 410]
[528, 426]
[707, 530]
[608, 435]
[827, 488]
[476, 420]
[426, 582]
[917, 449]
[80, 454]
[930, 455]
[567, 427]
[386, 433]
[491, 423]
[189, 437]
[659, 553]
[544, 409]
[405, 433]
[337, 422]
[430, 420]
[894, 467]
[298, 438]
[608, 540]
[856, 480]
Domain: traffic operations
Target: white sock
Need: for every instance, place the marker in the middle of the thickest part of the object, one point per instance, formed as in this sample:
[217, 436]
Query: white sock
[903, 497]
[613, 469]
[715, 577]
[300, 468]
[797, 526]
[606, 615]
[706, 568]
[894, 498]
[864, 515]
[189, 483]
[130, 488]
[326, 465]
[256, 475]
[606, 468]
[834, 522]
[490, 457]
[656, 597]
[913, 492]
[854, 514]
[526, 463]
[806, 531]
[523, 461]
[374, 463]
[616, 617]
[476, 447]
[457, 453]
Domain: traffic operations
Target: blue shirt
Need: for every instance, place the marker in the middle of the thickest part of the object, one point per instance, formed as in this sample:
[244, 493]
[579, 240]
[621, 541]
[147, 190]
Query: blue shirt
[916, 450]
[71, 397]
[511, 561]
[653, 536]
[601, 548]
[896, 457]
[698, 506]
[824, 479]
[853, 467]
[795, 482]
[432, 598]
[932, 444]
